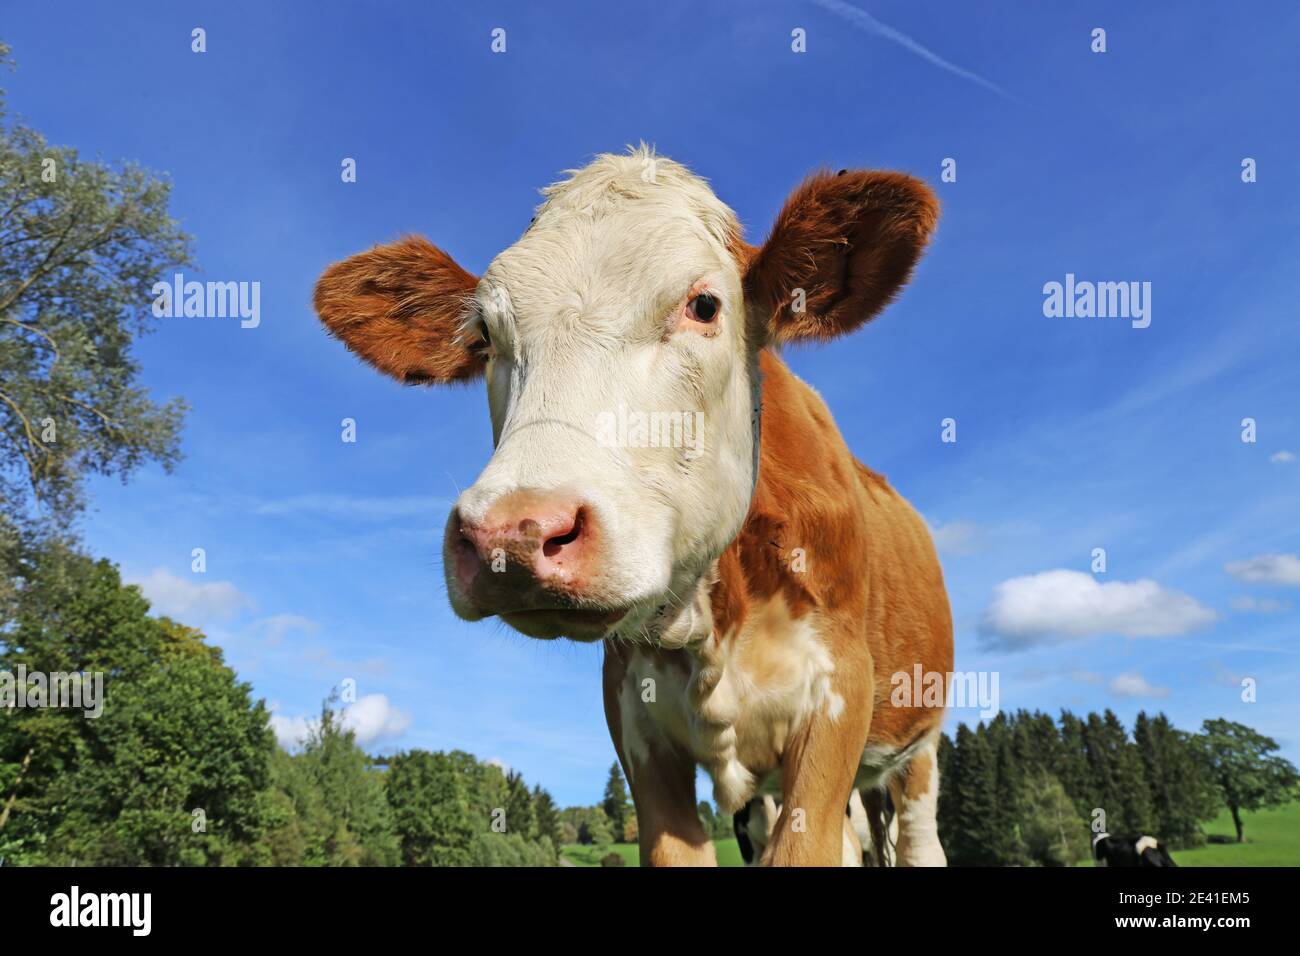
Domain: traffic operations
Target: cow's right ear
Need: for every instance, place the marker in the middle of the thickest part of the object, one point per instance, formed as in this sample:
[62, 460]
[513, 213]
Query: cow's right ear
[401, 307]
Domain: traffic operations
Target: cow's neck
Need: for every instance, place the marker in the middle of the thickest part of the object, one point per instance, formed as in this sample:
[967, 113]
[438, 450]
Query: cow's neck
[806, 507]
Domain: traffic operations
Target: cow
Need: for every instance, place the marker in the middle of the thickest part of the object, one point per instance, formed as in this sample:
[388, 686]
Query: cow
[755, 587]
[1129, 850]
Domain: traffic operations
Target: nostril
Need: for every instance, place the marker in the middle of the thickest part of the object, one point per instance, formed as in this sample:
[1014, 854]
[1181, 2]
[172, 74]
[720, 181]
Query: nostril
[555, 545]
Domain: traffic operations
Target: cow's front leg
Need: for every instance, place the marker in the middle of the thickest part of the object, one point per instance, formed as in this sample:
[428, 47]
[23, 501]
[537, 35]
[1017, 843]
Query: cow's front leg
[660, 775]
[817, 776]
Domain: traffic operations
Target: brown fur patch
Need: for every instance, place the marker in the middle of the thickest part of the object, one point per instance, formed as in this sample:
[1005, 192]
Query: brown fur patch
[400, 307]
[849, 241]
[870, 568]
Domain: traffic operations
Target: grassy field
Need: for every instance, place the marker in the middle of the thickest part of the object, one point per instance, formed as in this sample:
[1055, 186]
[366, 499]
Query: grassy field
[578, 855]
[1273, 839]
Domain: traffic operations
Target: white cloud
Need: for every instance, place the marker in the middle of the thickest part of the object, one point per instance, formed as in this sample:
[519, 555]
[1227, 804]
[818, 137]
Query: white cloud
[1281, 457]
[1133, 684]
[1281, 569]
[1062, 604]
[192, 599]
[275, 627]
[372, 717]
[1258, 605]
[290, 732]
[352, 506]
[956, 537]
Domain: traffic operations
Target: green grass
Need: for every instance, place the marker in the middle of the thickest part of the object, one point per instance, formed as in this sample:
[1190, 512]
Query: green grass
[727, 850]
[1272, 839]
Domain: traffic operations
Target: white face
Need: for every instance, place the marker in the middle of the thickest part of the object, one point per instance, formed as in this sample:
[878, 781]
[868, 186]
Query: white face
[621, 385]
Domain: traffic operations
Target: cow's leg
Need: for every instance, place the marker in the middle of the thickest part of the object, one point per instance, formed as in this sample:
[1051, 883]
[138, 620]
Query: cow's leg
[661, 777]
[915, 791]
[817, 775]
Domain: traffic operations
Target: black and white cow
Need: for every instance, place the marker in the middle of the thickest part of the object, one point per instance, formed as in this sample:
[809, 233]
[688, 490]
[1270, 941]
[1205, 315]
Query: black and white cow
[1129, 849]
[870, 830]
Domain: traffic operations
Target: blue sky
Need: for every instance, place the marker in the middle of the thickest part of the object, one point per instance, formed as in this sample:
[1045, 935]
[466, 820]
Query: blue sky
[1072, 434]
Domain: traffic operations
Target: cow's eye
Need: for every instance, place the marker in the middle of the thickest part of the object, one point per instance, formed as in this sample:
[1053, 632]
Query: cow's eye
[703, 308]
[485, 338]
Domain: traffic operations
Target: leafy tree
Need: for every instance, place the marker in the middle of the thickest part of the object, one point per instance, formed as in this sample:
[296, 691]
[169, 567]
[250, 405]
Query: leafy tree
[510, 849]
[520, 817]
[972, 834]
[431, 810]
[353, 795]
[547, 815]
[595, 828]
[1118, 781]
[1052, 833]
[1007, 848]
[1181, 796]
[616, 804]
[1072, 767]
[1242, 764]
[81, 245]
[177, 732]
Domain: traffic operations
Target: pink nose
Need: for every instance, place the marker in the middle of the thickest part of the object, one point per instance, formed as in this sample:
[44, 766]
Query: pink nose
[525, 539]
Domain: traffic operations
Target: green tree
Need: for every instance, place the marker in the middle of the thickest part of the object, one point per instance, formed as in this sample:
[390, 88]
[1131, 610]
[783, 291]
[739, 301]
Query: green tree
[431, 810]
[1007, 848]
[1072, 766]
[616, 804]
[353, 795]
[81, 245]
[595, 827]
[520, 817]
[177, 732]
[1243, 766]
[972, 833]
[1118, 781]
[1181, 796]
[547, 815]
[1052, 832]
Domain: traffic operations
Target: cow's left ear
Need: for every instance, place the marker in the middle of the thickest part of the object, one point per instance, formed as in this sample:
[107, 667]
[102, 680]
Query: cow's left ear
[842, 247]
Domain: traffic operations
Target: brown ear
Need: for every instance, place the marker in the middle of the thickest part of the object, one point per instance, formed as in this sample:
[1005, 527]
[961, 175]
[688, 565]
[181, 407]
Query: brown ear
[849, 242]
[400, 307]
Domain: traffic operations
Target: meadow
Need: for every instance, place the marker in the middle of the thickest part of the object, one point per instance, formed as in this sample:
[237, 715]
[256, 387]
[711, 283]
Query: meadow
[1272, 839]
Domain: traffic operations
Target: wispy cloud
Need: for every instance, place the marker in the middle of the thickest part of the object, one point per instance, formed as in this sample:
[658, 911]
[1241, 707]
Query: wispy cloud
[1283, 569]
[1133, 685]
[195, 600]
[359, 507]
[1244, 602]
[865, 21]
[956, 537]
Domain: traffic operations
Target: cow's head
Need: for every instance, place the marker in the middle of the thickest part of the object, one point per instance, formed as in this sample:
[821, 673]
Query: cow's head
[619, 338]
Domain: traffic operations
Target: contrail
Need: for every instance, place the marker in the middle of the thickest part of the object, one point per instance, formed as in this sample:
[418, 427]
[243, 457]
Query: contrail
[864, 20]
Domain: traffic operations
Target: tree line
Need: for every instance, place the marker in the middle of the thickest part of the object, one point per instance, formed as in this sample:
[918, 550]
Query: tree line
[181, 766]
[1025, 789]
